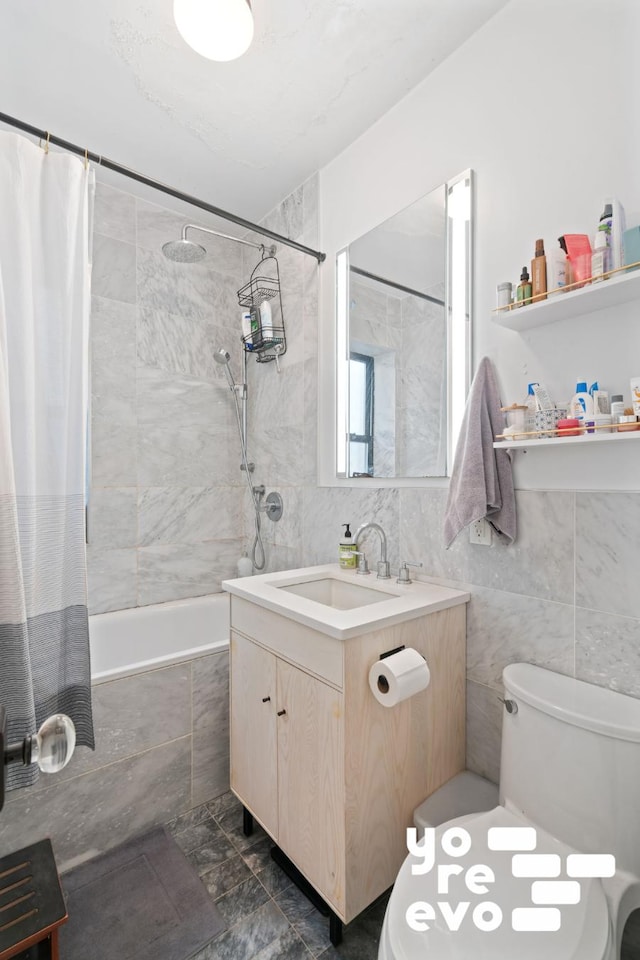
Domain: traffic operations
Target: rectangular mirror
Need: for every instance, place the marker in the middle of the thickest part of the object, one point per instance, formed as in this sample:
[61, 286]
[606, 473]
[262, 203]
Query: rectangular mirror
[404, 338]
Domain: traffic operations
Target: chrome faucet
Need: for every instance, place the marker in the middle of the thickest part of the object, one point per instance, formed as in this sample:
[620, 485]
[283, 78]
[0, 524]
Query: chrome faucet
[383, 563]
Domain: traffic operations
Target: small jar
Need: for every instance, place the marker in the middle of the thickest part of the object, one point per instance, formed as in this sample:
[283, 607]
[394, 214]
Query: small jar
[505, 295]
[627, 422]
[516, 416]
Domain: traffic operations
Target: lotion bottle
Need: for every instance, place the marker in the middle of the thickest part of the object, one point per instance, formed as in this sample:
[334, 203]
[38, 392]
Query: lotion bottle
[581, 403]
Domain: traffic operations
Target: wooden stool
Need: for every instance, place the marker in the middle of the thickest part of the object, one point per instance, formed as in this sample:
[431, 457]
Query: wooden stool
[31, 904]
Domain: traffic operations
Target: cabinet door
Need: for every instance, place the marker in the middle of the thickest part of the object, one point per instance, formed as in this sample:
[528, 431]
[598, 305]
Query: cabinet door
[254, 766]
[310, 781]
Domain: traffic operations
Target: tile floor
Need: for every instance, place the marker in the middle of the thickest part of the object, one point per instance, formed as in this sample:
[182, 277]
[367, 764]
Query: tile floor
[267, 917]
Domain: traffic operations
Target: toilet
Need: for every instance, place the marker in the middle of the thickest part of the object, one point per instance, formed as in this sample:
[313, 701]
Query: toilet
[570, 792]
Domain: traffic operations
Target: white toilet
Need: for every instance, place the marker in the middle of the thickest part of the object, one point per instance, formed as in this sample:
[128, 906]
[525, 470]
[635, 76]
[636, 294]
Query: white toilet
[570, 769]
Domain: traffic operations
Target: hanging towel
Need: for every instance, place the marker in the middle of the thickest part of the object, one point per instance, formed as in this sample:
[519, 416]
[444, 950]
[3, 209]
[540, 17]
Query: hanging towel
[482, 479]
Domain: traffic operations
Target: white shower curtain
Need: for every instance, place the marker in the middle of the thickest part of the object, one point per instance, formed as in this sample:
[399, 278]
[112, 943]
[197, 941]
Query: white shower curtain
[45, 212]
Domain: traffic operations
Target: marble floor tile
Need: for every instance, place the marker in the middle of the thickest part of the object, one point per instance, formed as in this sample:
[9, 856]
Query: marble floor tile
[293, 903]
[189, 819]
[288, 946]
[199, 834]
[258, 855]
[246, 939]
[242, 901]
[273, 878]
[223, 804]
[231, 823]
[212, 853]
[226, 876]
[314, 932]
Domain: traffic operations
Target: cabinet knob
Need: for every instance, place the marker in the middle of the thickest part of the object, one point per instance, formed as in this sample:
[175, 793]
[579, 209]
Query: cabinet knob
[281, 713]
[266, 699]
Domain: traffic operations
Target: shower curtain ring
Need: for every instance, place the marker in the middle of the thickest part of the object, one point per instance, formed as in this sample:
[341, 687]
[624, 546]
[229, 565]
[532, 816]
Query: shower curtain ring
[46, 146]
[86, 159]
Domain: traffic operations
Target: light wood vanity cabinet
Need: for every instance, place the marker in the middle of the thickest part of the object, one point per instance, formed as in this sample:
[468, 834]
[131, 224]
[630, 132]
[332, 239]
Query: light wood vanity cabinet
[332, 775]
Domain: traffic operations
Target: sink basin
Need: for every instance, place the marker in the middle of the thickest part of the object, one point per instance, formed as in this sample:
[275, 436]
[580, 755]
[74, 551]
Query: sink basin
[339, 603]
[336, 593]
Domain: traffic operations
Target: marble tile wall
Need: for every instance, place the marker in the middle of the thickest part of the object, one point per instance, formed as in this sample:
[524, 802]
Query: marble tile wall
[162, 748]
[165, 518]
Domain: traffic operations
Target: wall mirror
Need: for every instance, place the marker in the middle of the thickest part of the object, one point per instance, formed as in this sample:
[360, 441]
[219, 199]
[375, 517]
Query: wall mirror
[404, 338]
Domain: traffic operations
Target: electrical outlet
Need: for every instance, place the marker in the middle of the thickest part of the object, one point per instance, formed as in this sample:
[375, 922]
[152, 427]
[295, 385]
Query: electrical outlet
[480, 532]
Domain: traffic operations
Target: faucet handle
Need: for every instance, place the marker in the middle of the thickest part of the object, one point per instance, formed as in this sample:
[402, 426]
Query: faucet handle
[403, 573]
[363, 566]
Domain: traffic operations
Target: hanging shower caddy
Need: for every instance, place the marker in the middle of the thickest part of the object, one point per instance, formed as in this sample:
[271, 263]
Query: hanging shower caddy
[264, 284]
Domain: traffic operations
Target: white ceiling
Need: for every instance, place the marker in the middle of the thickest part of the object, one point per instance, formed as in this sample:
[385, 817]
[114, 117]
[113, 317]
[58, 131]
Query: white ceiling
[115, 75]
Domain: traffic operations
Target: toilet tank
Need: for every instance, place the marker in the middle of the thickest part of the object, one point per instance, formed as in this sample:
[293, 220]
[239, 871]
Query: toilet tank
[571, 761]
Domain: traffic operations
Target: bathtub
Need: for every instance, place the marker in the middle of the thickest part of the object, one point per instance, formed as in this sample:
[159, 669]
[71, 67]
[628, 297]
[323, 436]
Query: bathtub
[143, 638]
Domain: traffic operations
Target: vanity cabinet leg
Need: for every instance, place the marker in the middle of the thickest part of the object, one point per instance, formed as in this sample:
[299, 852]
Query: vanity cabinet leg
[335, 929]
[247, 822]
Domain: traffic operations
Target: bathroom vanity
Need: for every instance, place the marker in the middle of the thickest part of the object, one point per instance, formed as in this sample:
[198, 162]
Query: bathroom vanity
[331, 774]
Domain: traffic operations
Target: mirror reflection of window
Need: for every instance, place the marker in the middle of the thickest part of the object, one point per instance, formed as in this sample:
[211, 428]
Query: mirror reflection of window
[403, 302]
[361, 412]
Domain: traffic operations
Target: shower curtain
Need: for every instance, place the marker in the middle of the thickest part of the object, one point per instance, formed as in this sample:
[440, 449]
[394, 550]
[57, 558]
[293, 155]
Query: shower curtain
[45, 212]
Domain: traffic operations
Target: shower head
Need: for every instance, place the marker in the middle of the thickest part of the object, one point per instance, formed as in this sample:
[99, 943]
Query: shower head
[183, 251]
[221, 356]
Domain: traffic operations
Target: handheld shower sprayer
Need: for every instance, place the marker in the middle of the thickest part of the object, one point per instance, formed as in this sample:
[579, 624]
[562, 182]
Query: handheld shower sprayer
[221, 356]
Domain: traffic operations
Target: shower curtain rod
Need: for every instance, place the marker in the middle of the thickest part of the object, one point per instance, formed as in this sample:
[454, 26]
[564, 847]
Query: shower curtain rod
[398, 286]
[156, 185]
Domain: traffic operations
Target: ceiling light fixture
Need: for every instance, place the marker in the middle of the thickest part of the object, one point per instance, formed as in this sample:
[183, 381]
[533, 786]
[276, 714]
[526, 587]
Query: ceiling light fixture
[216, 29]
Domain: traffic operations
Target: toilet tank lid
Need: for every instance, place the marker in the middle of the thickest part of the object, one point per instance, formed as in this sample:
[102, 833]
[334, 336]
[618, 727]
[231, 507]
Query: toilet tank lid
[573, 701]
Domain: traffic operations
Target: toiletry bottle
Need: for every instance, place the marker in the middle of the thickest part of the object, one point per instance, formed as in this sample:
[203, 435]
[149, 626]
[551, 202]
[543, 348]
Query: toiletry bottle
[245, 321]
[532, 406]
[600, 258]
[539, 273]
[557, 271]
[617, 406]
[606, 223]
[266, 320]
[578, 247]
[256, 328]
[523, 293]
[347, 550]
[581, 402]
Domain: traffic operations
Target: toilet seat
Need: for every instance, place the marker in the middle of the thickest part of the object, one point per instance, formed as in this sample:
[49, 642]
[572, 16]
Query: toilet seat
[585, 932]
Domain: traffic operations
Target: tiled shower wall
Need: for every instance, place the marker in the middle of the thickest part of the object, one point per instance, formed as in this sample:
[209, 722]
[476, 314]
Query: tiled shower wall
[166, 491]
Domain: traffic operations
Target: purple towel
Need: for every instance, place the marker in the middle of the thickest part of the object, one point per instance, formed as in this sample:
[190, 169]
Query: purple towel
[482, 480]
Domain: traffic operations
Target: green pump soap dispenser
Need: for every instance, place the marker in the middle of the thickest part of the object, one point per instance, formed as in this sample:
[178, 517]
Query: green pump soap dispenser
[347, 550]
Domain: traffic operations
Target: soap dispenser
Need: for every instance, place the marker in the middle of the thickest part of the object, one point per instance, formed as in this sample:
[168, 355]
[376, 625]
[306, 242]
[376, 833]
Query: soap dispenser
[347, 550]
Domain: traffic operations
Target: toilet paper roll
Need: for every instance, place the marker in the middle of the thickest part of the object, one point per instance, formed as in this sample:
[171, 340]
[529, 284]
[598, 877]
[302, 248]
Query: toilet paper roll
[398, 677]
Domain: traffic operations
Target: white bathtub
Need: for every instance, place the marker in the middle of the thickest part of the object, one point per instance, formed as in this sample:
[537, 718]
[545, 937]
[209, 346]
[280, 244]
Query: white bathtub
[144, 638]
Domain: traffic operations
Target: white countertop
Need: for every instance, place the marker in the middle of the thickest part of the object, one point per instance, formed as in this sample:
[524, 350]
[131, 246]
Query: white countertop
[406, 601]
